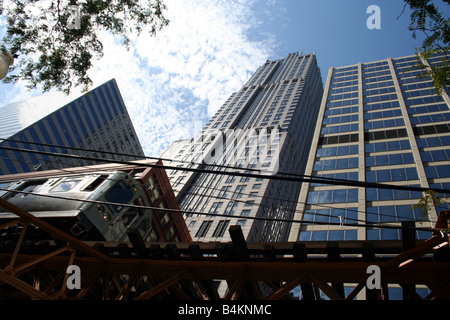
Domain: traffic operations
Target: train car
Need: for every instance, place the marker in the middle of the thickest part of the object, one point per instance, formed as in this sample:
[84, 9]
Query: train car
[83, 219]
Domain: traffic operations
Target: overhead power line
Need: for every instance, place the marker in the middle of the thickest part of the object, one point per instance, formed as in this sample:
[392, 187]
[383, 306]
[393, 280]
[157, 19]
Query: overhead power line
[243, 217]
[169, 210]
[120, 154]
[223, 198]
[278, 176]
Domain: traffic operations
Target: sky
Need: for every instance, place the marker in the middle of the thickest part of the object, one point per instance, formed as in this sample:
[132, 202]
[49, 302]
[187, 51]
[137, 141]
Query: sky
[172, 83]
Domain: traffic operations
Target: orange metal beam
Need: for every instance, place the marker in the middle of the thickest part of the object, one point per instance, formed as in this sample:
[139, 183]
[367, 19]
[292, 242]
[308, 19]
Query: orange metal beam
[55, 232]
[102, 269]
[163, 285]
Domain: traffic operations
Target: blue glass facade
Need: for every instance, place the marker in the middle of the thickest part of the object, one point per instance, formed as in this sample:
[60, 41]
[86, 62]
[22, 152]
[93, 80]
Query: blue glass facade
[97, 120]
[379, 123]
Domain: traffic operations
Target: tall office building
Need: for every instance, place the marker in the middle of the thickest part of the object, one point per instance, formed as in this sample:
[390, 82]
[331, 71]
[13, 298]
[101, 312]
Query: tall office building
[98, 120]
[266, 127]
[378, 123]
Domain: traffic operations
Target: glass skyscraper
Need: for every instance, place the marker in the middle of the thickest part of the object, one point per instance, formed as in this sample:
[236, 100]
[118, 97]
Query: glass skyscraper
[378, 122]
[266, 126]
[98, 120]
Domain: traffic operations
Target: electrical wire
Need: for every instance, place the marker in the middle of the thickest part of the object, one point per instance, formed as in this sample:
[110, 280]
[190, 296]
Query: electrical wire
[263, 197]
[169, 210]
[204, 187]
[121, 154]
[277, 176]
[276, 199]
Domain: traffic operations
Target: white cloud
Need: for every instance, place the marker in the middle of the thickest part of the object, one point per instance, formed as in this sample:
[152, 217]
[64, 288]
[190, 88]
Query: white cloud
[172, 83]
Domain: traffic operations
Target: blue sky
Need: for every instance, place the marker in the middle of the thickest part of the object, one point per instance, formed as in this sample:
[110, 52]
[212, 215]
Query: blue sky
[337, 31]
[174, 82]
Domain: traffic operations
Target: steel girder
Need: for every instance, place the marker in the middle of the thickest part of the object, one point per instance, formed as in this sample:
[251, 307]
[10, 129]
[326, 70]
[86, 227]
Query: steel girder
[30, 270]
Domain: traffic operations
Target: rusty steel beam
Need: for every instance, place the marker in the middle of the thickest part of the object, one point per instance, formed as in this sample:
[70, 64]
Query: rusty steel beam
[434, 275]
[286, 288]
[350, 271]
[414, 253]
[23, 287]
[163, 285]
[55, 232]
[166, 269]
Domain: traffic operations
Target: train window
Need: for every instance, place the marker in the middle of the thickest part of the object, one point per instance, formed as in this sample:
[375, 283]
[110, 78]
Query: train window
[170, 233]
[152, 236]
[4, 185]
[28, 186]
[152, 181]
[156, 193]
[119, 193]
[95, 183]
[165, 220]
[67, 184]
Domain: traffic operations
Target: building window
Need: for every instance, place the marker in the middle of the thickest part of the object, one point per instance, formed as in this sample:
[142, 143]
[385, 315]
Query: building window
[337, 151]
[244, 178]
[224, 191]
[249, 203]
[178, 181]
[204, 228]
[230, 179]
[328, 235]
[238, 192]
[374, 194]
[230, 209]
[348, 215]
[215, 207]
[400, 174]
[339, 128]
[333, 196]
[384, 124]
[221, 228]
[435, 155]
[393, 213]
[388, 146]
[433, 142]
[391, 159]
[438, 171]
[345, 163]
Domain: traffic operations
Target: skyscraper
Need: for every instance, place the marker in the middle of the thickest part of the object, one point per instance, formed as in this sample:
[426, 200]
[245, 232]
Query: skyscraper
[380, 123]
[98, 120]
[266, 126]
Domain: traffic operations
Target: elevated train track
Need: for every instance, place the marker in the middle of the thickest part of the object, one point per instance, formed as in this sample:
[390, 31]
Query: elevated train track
[185, 271]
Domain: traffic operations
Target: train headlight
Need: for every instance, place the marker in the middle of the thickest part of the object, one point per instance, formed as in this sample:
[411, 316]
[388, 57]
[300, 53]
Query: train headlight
[106, 216]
